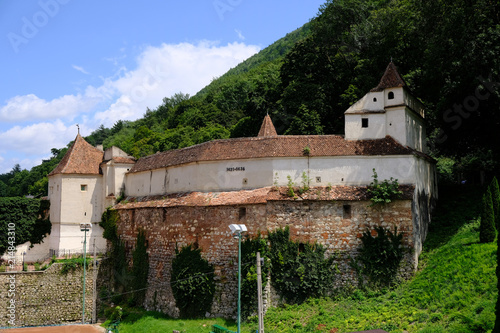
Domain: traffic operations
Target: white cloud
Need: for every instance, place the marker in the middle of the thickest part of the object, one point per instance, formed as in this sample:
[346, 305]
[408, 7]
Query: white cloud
[80, 69]
[37, 139]
[169, 69]
[30, 107]
[240, 34]
[160, 72]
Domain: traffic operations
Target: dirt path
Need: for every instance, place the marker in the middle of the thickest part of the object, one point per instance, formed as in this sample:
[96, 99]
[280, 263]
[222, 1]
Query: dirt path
[58, 329]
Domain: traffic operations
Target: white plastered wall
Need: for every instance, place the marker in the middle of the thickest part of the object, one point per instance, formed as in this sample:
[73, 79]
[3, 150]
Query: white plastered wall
[249, 174]
[70, 206]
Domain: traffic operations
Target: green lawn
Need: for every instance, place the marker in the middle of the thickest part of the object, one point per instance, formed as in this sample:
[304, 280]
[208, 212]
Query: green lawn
[453, 291]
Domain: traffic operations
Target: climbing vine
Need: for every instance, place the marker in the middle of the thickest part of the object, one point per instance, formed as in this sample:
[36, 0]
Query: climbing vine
[140, 269]
[249, 249]
[192, 282]
[380, 256]
[299, 270]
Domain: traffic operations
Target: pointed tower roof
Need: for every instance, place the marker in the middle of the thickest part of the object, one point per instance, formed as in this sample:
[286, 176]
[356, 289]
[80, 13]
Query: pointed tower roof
[81, 158]
[267, 128]
[390, 79]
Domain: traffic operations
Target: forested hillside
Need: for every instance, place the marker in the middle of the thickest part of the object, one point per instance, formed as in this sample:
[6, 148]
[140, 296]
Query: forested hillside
[447, 51]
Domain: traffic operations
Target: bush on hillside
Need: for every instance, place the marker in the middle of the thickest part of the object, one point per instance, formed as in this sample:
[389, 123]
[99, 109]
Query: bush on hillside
[487, 227]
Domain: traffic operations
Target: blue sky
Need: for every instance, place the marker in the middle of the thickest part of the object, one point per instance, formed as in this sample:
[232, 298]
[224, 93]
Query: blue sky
[68, 62]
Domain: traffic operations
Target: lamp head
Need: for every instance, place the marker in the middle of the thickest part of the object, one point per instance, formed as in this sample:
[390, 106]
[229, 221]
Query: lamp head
[237, 229]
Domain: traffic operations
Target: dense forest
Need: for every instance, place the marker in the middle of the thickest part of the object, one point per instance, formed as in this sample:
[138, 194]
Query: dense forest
[447, 51]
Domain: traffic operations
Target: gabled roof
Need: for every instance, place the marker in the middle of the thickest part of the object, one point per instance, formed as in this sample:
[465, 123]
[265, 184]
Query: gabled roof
[273, 146]
[267, 128]
[390, 79]
[81, 158]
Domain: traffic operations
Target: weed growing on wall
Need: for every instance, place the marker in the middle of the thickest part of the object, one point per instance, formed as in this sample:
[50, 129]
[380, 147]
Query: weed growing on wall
[385, 192]
[380, 256]
[192, 282]
[299, 270]
[249, 249]
[290, 185]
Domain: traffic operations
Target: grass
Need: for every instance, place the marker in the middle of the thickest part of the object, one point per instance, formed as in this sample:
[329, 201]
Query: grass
[453, 291]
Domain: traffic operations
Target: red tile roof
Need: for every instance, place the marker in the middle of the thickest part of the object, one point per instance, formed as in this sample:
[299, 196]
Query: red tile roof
[267, 128]
[275, 146]
[390, 79]
[81, 158]
[257, 196]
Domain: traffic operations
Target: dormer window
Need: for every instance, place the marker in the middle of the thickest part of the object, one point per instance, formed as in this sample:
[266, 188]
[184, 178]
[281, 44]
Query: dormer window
[390, 95]
[364, 122]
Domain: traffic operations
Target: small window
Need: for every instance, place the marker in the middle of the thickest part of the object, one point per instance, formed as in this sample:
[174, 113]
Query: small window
[347, 211]
[83, 188]
[364, 122]
[242, 213]
[374, 99]
[390, 95]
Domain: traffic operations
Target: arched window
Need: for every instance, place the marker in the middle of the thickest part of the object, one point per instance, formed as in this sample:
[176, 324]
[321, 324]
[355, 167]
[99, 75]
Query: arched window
[390, 95]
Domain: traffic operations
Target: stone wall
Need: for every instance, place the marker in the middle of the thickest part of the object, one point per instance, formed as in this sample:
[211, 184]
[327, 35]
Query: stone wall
[338, 225]
[45, 297]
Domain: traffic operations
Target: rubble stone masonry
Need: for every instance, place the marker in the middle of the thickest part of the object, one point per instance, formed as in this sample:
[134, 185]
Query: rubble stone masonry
[338, 225]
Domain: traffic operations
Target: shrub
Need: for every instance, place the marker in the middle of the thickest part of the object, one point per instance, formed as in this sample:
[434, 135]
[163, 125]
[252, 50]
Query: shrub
[192, 282]
[299, 270]
[487, 226]
[383, 193]
[381, 256]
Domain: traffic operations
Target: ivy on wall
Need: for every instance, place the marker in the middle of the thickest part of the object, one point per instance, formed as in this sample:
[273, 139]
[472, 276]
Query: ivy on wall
[299, 270]
[380, 256]
[140, 269]
[192, 282]
[249, 249]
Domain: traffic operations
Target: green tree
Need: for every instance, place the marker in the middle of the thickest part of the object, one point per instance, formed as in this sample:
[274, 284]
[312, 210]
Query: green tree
[495, 197]
[26, 218]
[487, 226]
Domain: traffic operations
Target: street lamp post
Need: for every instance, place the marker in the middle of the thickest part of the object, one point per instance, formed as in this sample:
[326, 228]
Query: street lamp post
[237, 230]
[84, 227]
